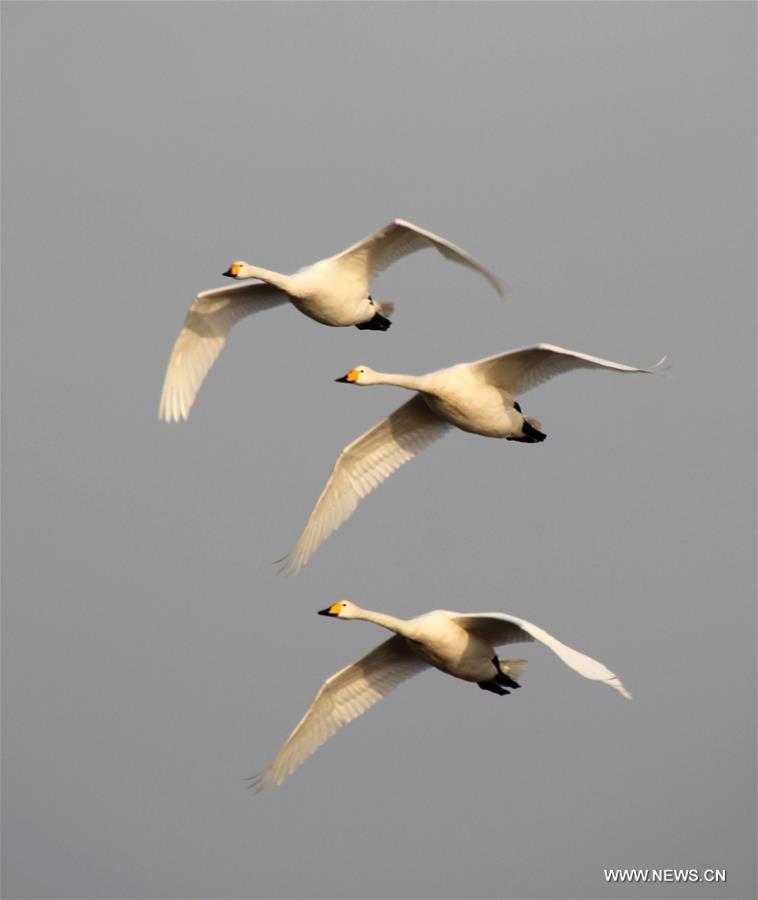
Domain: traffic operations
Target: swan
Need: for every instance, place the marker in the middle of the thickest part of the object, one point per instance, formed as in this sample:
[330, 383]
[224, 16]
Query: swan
[459, 644]
[333, 291]
[475, 397]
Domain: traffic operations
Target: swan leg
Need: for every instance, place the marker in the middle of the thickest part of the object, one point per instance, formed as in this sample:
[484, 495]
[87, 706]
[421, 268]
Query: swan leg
[492, 686]
[502, 677]
[377, 323]
[529, 434]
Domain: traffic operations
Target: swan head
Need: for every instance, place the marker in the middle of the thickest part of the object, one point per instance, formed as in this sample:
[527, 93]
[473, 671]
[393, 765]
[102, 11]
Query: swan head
[359, 375]
[342, 609]
[237, 269]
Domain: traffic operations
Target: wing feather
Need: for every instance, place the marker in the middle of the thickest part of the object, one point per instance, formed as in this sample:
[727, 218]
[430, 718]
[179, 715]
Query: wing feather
[342, 698]
[202, 338]
[371, 256]
[363, 466]
[521, 370]
[500, 628]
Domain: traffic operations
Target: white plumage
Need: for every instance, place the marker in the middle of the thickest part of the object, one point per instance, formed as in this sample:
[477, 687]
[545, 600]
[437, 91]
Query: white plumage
[333, 291]
[477, 397]
[459, 644]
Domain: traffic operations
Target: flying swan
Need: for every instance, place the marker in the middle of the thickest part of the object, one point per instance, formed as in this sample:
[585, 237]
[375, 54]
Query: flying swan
[460, 644]
[475, 397]
[333, 291]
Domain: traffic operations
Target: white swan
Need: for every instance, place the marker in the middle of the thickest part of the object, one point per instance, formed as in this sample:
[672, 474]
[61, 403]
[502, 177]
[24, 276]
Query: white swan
[475, 397]
[333, 291]
[460, 644]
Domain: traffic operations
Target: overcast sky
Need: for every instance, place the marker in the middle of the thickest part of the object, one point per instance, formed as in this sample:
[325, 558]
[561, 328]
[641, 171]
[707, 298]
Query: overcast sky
[601, 159]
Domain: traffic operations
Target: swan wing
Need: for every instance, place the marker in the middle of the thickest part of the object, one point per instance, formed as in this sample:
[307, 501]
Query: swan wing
[499, 628]
[364, 465]
[520, 370]
[342, 698]
[371, 256]
[202, 338]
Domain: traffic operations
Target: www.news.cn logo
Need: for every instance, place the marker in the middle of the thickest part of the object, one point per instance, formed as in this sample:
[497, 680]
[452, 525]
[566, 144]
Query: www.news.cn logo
[655, 876]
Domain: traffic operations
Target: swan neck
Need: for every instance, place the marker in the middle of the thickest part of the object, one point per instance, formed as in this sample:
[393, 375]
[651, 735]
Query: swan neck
[399, 626]
[409, 382]
[267, 275]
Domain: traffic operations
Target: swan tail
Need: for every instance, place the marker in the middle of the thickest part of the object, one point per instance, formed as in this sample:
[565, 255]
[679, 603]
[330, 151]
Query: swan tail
[386, 308]
[513, 668]
[530, 432]
[533, 423]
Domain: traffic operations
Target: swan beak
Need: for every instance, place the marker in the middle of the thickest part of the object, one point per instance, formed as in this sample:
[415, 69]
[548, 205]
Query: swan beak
[333, 610]
[232, 271]
[350, 378]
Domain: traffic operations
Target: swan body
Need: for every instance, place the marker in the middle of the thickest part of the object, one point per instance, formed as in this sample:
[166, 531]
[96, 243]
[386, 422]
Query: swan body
[314, 290]
[470, 404]
[458, 644]
[477, 397]
[333, 291]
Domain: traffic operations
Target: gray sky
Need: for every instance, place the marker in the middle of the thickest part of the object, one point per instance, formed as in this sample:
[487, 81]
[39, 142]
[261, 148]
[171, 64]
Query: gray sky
[600, 158]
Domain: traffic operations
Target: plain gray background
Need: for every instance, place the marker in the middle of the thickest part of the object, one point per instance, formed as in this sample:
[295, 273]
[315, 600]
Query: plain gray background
[600, 158]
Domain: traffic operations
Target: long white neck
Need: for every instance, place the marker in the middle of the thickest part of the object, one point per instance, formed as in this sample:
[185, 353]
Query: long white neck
[399, 626]
[267, 275]
[409, 382]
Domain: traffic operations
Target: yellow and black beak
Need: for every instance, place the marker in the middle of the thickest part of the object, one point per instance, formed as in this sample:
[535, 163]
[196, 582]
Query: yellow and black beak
[350, 378]
[333, 610]
[232, 271]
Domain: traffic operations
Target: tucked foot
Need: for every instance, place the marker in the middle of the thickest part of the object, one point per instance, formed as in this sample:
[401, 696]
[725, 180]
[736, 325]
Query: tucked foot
[377, 323]
[503, 678]
[506, 681]
[492, 686]
[529, 434]
[532, 435]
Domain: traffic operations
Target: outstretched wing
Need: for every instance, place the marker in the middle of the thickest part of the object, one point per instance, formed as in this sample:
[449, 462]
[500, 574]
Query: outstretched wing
[342, 698]
[520, 370]
[496, 628]
[499, 628]
[208, 322]
[362, 466]
[371, 256]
